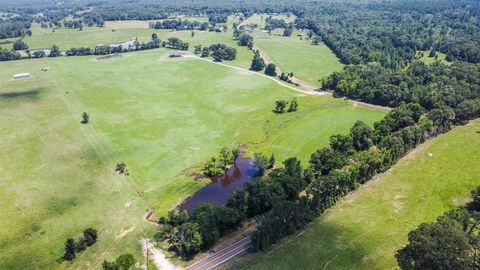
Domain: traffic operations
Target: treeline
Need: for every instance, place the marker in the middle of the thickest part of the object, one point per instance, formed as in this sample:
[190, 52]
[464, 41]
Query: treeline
[72, 247]
[15, 27]
[108, 49]
[179, 25]
[218, 52]
[217, 18]
[452, 89]
[6, 55]
[451, 242]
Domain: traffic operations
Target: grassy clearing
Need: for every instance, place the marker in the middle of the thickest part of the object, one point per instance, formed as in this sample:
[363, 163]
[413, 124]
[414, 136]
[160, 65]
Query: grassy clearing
[119, 31]
[309, 63]
[294, 54]
[365, 230]
[429, 60]
[162, 117]
[128, 24]
[259, 18]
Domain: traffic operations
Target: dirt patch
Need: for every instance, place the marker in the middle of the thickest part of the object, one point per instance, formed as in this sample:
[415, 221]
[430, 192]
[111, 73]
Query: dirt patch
[157, 256]
[111, 57]
[124, 232]
[397, 203]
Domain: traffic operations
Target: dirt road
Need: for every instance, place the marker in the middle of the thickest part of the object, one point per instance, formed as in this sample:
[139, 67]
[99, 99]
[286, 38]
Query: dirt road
[216, 259]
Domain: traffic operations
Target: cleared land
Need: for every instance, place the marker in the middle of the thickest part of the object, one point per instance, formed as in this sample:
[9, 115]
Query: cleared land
[296, 54]
[429, 60]
[163, 117]
[364, 230]
[127, 24]
[66, 38]
[309, 63]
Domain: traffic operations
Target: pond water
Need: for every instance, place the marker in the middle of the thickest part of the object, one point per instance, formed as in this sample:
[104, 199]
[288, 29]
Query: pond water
[217, 192]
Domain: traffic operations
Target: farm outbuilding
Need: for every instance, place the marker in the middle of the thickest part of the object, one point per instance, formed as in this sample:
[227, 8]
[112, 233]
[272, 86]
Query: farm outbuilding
[21, 75]
[175, 55]
[46, 52]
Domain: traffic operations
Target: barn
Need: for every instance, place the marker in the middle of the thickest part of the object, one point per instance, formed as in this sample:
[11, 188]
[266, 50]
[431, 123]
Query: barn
[21, 75]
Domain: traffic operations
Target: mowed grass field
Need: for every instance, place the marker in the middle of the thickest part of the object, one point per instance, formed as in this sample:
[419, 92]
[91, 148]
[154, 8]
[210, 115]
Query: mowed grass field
[162, 117]
[365, 230]
[308, 62]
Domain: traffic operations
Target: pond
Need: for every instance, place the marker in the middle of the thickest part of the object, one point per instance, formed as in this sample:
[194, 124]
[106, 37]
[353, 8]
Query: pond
[217, 192]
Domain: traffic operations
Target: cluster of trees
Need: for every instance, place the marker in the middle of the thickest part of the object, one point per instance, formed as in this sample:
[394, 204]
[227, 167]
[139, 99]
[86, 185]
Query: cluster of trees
[218, 52]
[222, 162]
[451, 242]
[189, 234]
[280, 106]
[83, 242]
[272, 23]
[217, 18]
[221, 52]
[123, 262]
[19, 45]
[179, 25]
[17, 26]
[79, 51]
[92, 20]
[452, 90]
[6, 55]
[245, 40]
[176, 43]
[75, 24]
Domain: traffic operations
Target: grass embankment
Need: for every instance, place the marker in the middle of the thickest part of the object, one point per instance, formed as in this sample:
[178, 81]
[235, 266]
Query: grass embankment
[365, 230]
[160, 116]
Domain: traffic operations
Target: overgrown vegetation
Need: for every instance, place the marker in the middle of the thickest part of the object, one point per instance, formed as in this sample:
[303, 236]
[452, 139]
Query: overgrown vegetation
[222, 162]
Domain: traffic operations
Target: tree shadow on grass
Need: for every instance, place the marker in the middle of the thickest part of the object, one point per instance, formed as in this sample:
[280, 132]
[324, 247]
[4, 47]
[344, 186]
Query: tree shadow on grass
[27, 95]
[322, 246]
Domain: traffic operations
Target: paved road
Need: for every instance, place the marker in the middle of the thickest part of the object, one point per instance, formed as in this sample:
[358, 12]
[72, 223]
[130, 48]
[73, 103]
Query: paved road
[223, 255]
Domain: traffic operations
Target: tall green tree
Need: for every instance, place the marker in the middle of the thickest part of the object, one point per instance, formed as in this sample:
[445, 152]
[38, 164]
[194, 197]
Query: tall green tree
[271, 70]
[258, 64]
[55, 51]
[69, 253]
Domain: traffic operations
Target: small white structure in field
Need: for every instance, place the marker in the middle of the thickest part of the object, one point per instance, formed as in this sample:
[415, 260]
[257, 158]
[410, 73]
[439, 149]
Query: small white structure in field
[21, 75]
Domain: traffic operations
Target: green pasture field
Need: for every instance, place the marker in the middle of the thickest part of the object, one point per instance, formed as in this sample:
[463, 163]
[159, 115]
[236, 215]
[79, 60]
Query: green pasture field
[308, 62]
[364, 230]
[162, 117]
[259, 18]
[119, 31]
